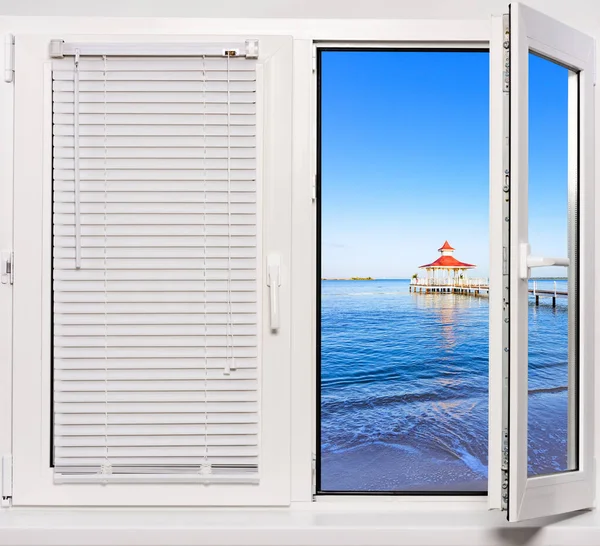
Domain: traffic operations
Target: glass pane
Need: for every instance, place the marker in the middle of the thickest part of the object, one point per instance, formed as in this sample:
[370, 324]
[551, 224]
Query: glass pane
[552, 418]
[403, 383]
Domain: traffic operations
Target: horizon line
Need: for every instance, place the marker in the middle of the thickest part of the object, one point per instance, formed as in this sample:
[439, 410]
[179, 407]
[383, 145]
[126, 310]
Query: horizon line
[409, 278]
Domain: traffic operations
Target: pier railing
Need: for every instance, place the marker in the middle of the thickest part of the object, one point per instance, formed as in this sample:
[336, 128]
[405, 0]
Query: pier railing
[553, 293]
[481, 286]
[478, 283]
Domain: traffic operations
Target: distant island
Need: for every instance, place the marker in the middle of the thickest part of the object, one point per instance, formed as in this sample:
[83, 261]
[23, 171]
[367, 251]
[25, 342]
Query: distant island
[352, 279]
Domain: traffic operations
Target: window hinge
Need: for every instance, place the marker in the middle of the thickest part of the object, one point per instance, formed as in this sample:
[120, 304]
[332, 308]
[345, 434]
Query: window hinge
[314, 59]
[251, 49]
[9, 58]
[506, 56]
[313, 474]
[594, 69]
[6, 481]
[313, 189]
[7, 271]
[504, 469]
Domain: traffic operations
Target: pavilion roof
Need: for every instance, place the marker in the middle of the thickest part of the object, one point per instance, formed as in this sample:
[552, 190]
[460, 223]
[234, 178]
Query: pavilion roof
[447, 262]
[445, 246]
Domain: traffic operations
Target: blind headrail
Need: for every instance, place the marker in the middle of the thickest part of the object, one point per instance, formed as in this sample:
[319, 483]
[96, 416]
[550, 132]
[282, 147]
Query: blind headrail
[249, 49]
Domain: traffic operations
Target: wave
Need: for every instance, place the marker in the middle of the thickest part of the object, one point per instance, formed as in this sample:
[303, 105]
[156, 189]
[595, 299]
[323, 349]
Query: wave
[405, 373]
[548, 390]
[333, 406]
[542, 365]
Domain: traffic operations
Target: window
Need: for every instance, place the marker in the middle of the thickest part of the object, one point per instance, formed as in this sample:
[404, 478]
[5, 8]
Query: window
[115, 399]
[158, 235]
[553, 316]
[403, 315]
[548, 56]
[403, 396]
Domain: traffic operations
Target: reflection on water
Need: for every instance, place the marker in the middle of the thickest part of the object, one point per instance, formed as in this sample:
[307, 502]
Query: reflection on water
[404, 389]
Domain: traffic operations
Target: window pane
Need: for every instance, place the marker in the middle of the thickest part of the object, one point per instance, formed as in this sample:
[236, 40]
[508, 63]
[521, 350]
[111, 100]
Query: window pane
[552, 419]
[403, 378]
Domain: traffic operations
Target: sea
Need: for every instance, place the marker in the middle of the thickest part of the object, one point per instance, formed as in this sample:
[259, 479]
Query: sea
[404, 388]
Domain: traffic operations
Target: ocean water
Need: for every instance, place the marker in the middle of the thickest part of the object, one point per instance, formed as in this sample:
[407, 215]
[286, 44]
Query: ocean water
[404, 388]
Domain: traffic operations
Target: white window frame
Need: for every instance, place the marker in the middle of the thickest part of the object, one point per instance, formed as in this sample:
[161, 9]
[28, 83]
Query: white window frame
[432, 34]
[33, 479]
[469, 529]
[495, 394]
[306, 36]
[532, 31]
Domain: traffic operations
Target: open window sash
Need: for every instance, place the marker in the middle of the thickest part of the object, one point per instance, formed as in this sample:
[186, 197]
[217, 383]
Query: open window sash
[569, 487]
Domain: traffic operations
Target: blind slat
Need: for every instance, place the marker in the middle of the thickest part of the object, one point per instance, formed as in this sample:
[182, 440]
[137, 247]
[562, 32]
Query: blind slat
[157, 241]
[158, 119]
[139, 152]
[157, 174]
[205, 87]
[151, 364]
[209, 140]
[153, 75]
[148, 374]
[163, 65]
[169, 430]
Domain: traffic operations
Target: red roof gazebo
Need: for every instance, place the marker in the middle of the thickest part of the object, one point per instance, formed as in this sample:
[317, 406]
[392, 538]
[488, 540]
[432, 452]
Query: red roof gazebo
[446, 265]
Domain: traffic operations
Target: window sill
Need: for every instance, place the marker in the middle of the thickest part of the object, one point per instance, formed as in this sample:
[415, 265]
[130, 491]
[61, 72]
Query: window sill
[304, 525]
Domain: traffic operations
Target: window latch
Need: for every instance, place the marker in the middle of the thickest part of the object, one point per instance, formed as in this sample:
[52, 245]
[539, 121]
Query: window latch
[274, 282]
[7, 274]
[527, 261]
[6, 481]
[9, 58]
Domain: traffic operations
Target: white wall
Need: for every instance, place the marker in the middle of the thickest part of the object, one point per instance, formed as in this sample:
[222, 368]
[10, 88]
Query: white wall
[582, 13]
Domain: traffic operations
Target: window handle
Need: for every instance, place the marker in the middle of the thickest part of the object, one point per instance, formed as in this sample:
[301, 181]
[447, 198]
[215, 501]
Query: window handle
[274, 282]
[527, 261]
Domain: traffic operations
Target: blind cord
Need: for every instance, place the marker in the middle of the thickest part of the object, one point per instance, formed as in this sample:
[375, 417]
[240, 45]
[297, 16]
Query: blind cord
[76, 161]
[106, 465]
[228, 334]
[205, 465]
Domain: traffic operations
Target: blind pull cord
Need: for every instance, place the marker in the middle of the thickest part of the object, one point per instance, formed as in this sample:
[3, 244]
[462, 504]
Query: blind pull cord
[205, 466]
[106, 467]
[76, 161]
[229, 358]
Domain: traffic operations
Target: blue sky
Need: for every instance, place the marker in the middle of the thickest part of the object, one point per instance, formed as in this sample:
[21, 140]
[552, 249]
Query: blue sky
[405, 160]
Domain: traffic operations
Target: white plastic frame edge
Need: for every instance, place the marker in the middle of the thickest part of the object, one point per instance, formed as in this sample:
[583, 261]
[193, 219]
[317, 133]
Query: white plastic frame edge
[574, 490]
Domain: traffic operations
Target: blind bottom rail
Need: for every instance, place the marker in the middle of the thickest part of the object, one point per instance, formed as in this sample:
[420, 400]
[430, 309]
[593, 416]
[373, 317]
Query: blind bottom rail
[154, 474]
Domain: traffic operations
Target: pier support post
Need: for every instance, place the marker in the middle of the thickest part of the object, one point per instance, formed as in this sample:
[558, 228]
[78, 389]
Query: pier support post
[537, 300]
[554, 301]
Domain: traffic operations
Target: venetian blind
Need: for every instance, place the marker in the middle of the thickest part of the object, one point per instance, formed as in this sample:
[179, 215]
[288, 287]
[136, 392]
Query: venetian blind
[155, 268]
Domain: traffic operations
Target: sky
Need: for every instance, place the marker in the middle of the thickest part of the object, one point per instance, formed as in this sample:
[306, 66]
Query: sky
[405, 160]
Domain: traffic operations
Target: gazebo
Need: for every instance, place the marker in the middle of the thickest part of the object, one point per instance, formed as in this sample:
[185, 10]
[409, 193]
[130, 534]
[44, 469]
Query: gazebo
[446, 269]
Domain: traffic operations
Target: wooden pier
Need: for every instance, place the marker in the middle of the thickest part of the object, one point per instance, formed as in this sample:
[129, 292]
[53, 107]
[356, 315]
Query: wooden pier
[478, 287]
[548, 293]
